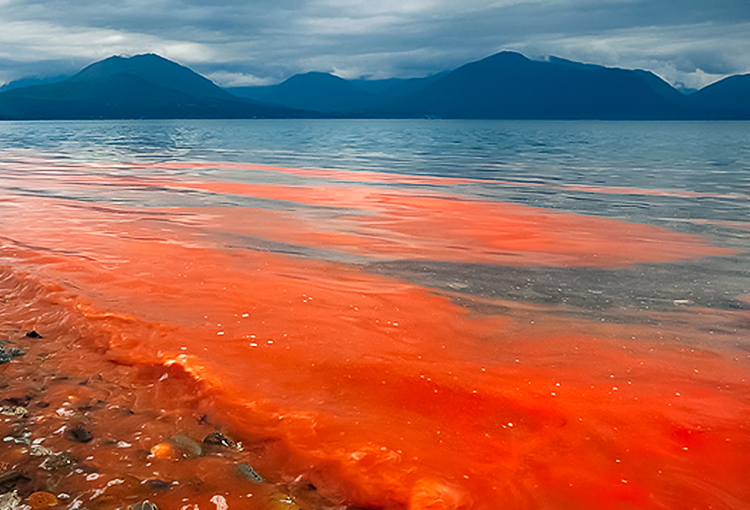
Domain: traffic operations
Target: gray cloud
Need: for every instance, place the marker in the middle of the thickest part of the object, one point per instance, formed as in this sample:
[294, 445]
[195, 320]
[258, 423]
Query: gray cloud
[264, 41]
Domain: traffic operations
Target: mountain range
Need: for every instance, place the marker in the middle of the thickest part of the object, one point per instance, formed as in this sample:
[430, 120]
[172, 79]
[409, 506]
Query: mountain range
[506, 85]
[144, 86]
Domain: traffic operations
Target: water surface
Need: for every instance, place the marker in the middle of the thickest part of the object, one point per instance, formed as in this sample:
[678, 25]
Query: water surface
[424, 314]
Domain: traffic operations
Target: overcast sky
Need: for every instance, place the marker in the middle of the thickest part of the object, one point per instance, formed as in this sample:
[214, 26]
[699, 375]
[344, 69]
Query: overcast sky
[256, 42]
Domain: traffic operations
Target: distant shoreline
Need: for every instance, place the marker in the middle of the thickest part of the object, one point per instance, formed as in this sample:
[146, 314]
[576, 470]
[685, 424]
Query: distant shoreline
[381, 119]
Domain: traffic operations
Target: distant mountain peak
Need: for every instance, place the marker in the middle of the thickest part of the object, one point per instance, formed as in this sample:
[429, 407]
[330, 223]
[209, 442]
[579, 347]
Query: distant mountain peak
[141, 86]
[130, 59]
[155, 69]
[506, 56]
[315, 77]
[155, 56]
[319, 91]
[139, 56]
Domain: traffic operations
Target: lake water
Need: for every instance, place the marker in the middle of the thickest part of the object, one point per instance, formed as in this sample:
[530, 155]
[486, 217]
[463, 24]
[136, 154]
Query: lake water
[386, 314]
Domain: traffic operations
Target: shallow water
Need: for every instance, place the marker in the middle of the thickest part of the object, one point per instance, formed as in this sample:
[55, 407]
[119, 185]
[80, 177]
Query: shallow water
[417, 314]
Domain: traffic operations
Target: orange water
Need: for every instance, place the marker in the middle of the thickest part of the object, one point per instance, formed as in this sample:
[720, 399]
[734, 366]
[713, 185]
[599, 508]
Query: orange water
[385, 393]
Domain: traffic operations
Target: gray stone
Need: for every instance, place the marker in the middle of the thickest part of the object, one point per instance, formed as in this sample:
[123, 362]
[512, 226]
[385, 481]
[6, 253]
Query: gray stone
[248, 472]
[10, 501]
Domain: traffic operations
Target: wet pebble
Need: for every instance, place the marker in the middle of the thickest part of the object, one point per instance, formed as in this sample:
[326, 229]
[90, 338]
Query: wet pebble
[161, 450]
[281, 501]
[80, 435]
[217, 438]
[40, 500]
[158, 485]
[9, 501]
[6, 355]
[58, 461]
[220, 502]
[248, 472]
[40, 451]
[17, 411]
[187, 446]
[144, 505]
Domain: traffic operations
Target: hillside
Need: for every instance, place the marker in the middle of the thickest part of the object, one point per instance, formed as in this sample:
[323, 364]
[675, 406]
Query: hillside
[728, 98]
[506, 85]
[145, 86]
[316, 91]
[510, 86]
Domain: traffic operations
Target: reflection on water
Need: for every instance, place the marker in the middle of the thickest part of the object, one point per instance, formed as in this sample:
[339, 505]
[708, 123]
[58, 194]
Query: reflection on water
[390, 315]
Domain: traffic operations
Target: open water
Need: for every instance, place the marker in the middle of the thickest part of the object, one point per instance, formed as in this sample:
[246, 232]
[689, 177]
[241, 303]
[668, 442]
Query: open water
[388, 314]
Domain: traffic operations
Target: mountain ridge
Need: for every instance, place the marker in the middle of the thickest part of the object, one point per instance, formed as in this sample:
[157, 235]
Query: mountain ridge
[730, 96]
[155, 69]
[509, 85]
[141, 87]
[505, 85]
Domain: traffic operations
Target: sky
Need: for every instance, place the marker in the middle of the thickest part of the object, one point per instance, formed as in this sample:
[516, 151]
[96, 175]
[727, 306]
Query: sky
[689, 43]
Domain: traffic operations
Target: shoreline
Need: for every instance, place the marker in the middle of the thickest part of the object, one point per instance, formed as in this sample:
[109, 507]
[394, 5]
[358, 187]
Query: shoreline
[97, 434]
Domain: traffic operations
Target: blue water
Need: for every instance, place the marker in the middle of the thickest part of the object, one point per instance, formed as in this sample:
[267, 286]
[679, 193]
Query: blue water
[706, 157]
[695, 176]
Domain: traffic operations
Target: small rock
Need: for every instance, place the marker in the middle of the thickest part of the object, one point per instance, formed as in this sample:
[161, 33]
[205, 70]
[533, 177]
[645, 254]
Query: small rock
[40, 500]
[8, 354]
[9, 501]
[58, 461]
[144, 505]
[40, 451]
[17, 411]
[34, 334]
[186, 445]
[248, 472]
[281, 501]
[158, 485]
[80, 435]
[161, 450]
[218, 438]
[220, 502]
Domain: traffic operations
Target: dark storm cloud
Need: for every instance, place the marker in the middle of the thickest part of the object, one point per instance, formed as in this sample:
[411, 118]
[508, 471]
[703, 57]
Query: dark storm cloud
[261, 41]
